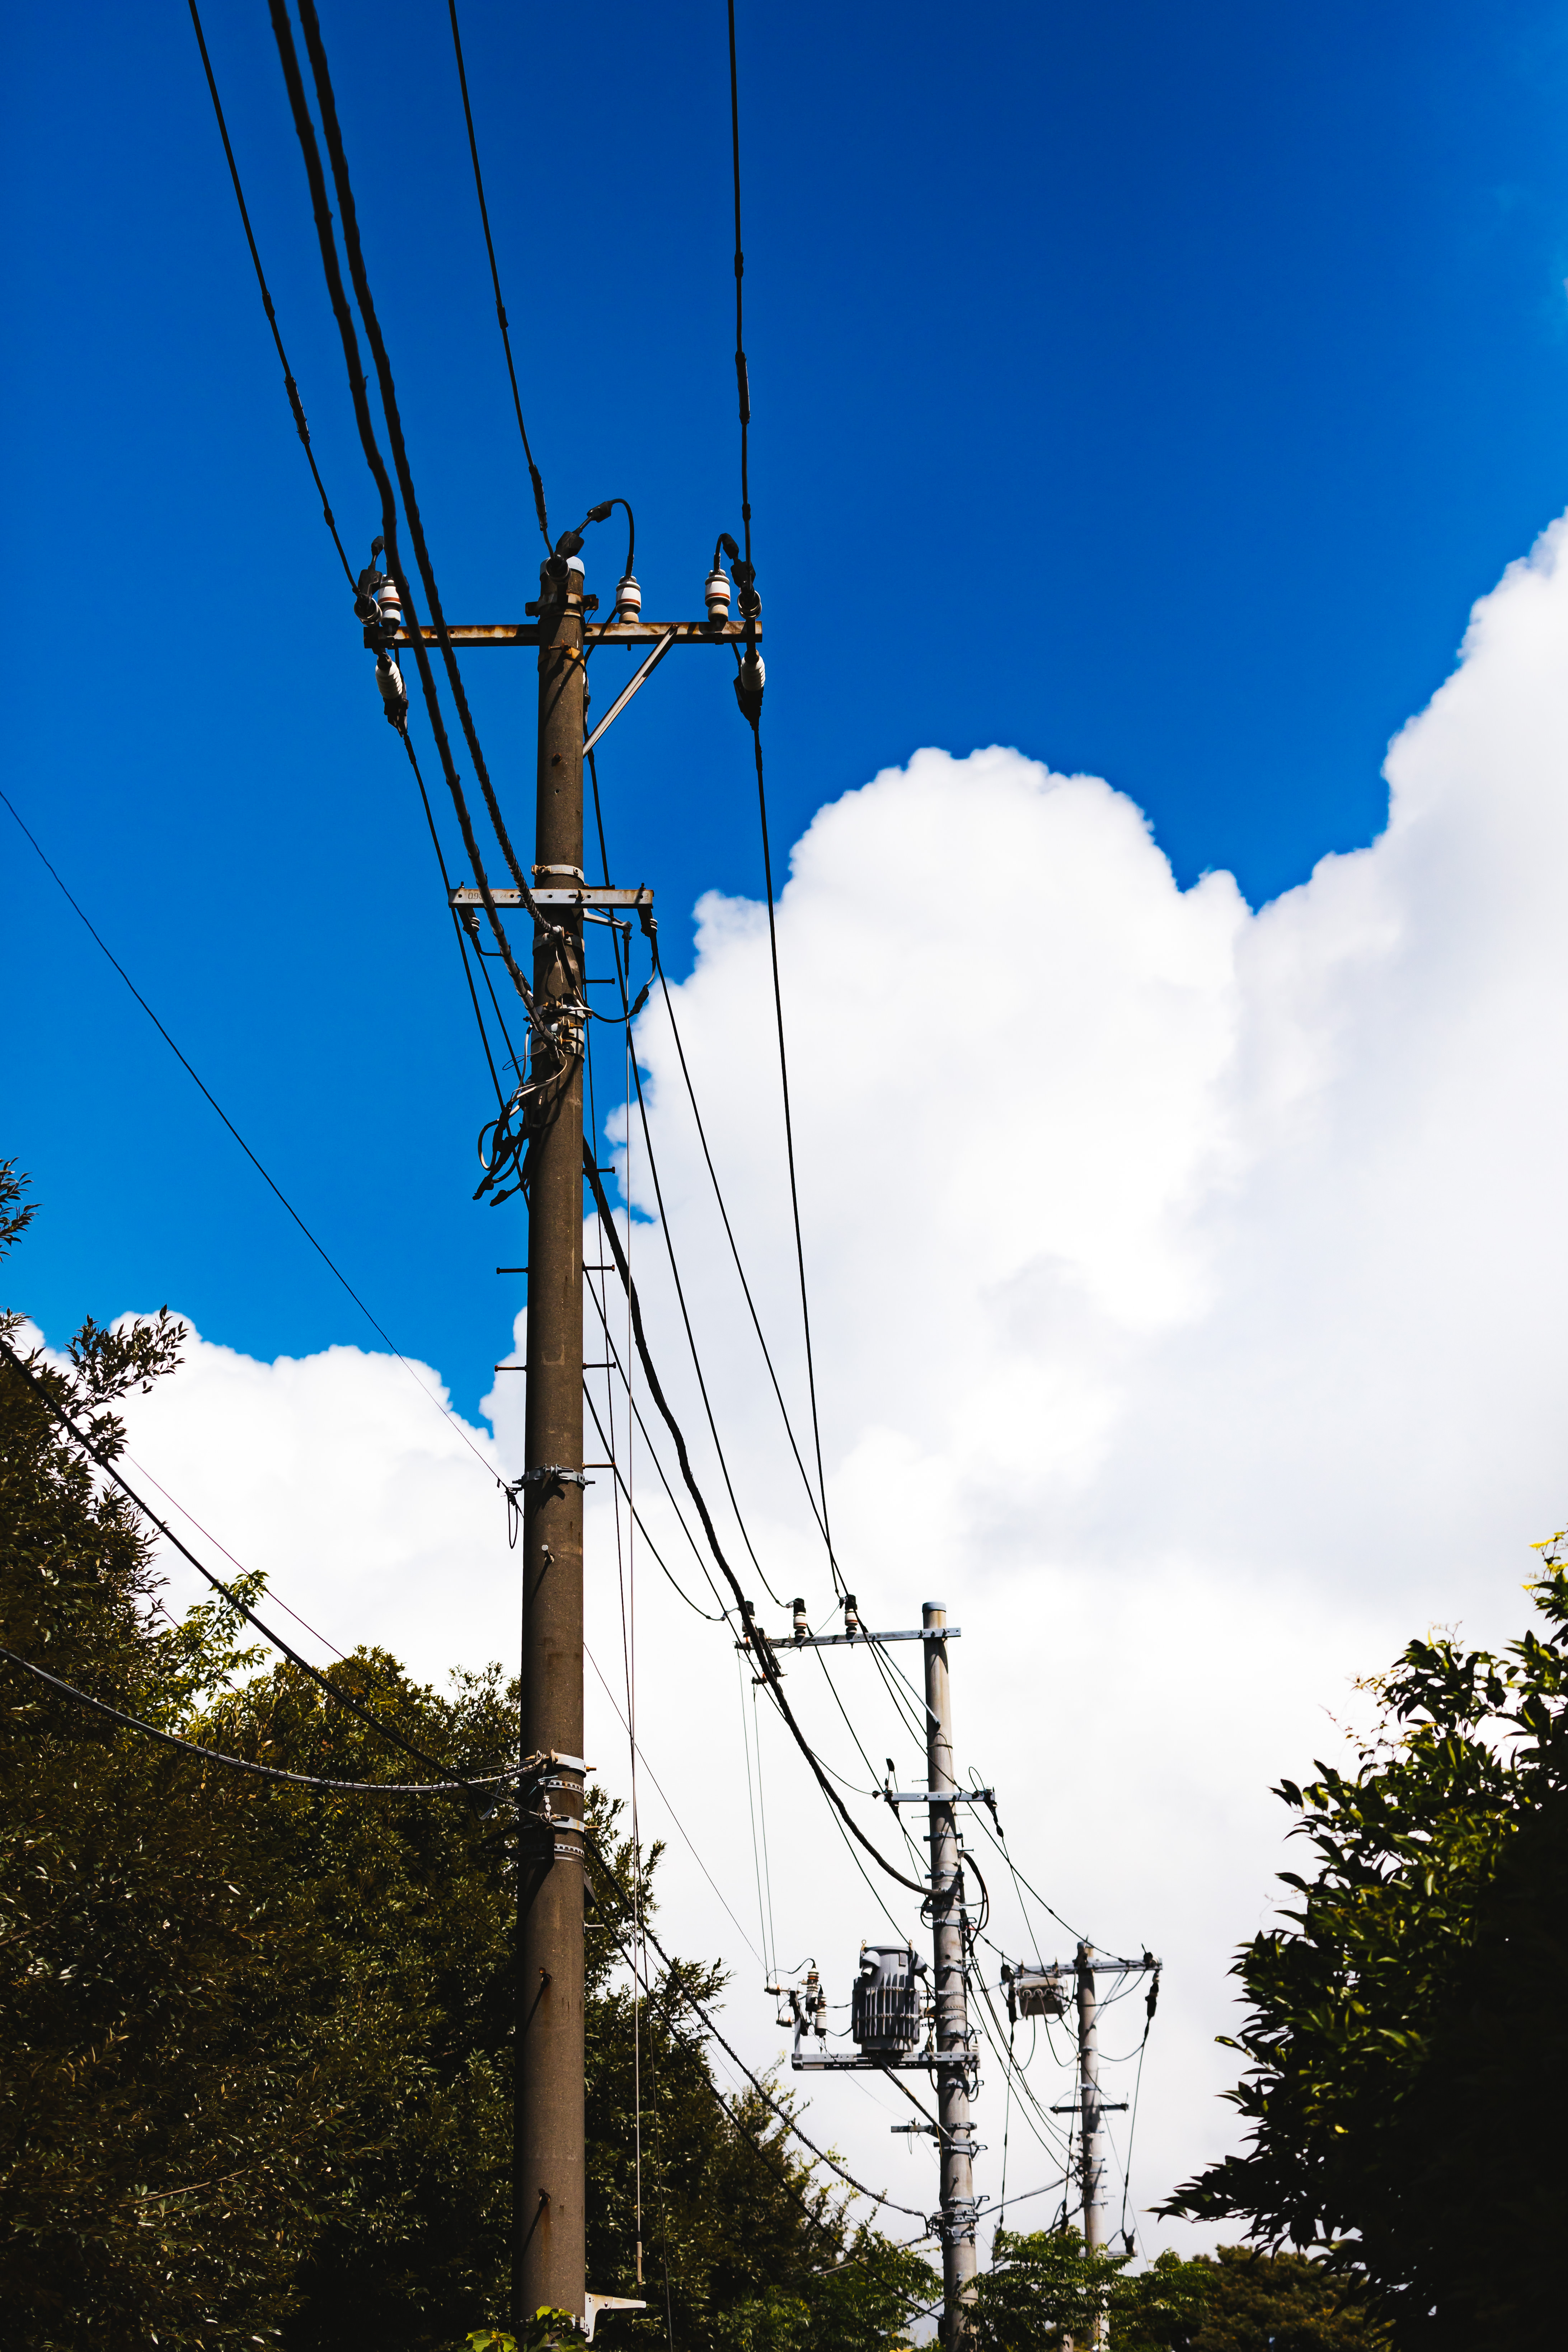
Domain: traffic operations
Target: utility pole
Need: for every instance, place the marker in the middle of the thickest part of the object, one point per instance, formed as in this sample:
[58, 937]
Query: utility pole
[549, 2252]
[1092, 2112]
[949, 1992]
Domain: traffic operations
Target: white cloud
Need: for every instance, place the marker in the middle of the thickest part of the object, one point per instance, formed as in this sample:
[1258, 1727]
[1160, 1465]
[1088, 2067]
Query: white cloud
[1185, 1286]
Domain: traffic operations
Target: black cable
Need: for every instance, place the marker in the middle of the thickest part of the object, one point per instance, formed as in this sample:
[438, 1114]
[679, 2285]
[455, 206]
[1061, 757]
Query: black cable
[653, 1457]
[337, 1273]
[349, 218]
[734, 1249]
[743, 386]
[734, 2056]
[407, 742]
[295, 403]
[262, 1772]
[637, 1517]
[305, 131]
[495, 282]
[105, 1463]
[762, 1648]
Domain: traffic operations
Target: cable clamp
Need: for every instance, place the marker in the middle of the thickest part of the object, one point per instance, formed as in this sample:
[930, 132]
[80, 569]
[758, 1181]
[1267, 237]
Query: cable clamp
[550, 1473]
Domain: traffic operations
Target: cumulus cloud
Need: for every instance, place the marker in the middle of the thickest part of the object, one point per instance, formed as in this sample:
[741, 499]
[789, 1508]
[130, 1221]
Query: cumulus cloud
[1185, 1285]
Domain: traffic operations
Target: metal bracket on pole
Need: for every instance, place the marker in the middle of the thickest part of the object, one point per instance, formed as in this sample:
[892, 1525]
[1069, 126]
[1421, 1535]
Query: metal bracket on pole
[630, 689]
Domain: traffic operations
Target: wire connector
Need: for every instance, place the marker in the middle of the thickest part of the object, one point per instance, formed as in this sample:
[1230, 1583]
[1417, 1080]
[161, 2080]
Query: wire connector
[550, 1473]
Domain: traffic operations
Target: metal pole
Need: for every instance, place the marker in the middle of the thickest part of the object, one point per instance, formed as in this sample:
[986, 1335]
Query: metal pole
[1093, 2119]
[958, 2218]
[550, 2250]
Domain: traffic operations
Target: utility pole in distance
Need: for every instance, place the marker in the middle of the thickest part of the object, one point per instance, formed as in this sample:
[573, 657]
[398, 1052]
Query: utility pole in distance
[949, 1992]
[549, 2222]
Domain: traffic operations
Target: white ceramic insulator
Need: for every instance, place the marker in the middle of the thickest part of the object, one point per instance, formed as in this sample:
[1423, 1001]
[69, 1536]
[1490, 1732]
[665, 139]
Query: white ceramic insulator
[716, 592]
[628, 599]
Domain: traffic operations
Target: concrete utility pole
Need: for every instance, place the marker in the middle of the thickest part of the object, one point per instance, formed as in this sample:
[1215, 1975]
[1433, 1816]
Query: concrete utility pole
[1092, 2114]
[949, 1992]
[550, 2172]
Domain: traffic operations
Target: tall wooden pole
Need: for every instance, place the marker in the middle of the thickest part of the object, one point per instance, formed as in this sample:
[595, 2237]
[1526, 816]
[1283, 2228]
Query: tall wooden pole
[550, 2224]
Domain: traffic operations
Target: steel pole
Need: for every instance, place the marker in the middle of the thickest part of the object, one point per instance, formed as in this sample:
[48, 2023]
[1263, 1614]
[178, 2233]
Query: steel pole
[958, 2220]
[548, 2217]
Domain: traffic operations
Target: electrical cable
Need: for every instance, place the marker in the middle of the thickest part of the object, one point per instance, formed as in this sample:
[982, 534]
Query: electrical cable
[295, 403]
[620, 1483]
[305, 131]
[762, 1647]
[636, 1415]
[261, 1772]
[680, 1825]
[495, 282]
[334, 1270]
[106, 1464]
[461, 936]
[348, 218]
[729, 1236]
[734, 2056]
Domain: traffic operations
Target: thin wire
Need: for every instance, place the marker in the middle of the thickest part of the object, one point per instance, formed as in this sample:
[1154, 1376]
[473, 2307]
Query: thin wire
[742, 380]
[762, 1817]
[762, 1649]
[674, 1817]
[733, 1247]
[260, 1771]
[336, 1271]
[751, 1807]
[295, 403]
[106, 1464]
[690, 1604]
[1007, 2129]
[496, 281]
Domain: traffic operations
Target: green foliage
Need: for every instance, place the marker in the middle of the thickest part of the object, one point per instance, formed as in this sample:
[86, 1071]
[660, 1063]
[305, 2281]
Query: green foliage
[1374, 2035]
[258, 2039]
[1045, 2289]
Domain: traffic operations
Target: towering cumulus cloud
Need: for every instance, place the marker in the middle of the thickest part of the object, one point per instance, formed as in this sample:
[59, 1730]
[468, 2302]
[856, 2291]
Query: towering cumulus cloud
[1186, 1285]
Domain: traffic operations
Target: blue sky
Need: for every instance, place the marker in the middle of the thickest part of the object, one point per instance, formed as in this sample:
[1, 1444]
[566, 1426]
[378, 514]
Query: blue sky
[1152, 390]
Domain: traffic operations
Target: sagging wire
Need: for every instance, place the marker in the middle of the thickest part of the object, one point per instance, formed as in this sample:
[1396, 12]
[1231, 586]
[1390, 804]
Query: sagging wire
[290, 387]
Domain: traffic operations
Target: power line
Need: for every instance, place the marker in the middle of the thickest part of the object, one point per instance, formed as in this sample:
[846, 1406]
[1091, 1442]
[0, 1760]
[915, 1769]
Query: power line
[305, 130]
[762, 1649]
[496, 280]
[276, 1189]
[295, 403]
[262, 1772]
[106, 1463]
[316, 49]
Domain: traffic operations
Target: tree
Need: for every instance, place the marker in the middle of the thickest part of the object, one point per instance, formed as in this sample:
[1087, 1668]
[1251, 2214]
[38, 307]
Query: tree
[1046, 2290]
[1381, 2058]
[258, 2038]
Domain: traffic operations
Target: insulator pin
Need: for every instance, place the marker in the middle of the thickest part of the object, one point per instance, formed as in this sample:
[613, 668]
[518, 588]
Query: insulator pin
[394, 694]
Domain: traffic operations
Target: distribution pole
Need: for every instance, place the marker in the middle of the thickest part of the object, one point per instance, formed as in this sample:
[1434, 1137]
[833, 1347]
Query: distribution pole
[549, 2252]
[1091, 2119]
[959, 2214]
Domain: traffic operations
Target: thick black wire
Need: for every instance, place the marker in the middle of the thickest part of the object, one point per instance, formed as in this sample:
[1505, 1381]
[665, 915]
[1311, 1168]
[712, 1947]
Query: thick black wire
[640, 1523]
[407, 742]
[762, 1648]
[723, 1617]
[261, 1772]
[336, 1271]
[349, 218]
[305, 131]
[496, 280]
[743, 386]
[295, 403]
[104, 1461]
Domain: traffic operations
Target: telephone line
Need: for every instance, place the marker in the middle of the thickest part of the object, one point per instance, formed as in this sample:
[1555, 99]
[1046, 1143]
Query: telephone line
[332, 1267]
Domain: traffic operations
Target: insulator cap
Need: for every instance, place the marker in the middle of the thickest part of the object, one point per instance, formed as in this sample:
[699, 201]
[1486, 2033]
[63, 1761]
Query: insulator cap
[716, 590]
[389, 604]
[628, 598]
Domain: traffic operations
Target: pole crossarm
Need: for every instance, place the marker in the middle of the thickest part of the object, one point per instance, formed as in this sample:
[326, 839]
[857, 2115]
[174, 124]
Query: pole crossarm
[829, 1641]
[478, 634]
[830, 2062]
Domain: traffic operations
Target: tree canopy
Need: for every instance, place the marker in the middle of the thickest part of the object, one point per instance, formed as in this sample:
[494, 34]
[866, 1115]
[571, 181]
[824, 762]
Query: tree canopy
[1410, 2015]
[258, 2079]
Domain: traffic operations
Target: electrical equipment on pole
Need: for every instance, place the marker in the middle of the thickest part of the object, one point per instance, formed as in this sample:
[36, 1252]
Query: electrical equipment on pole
[890, 2003]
